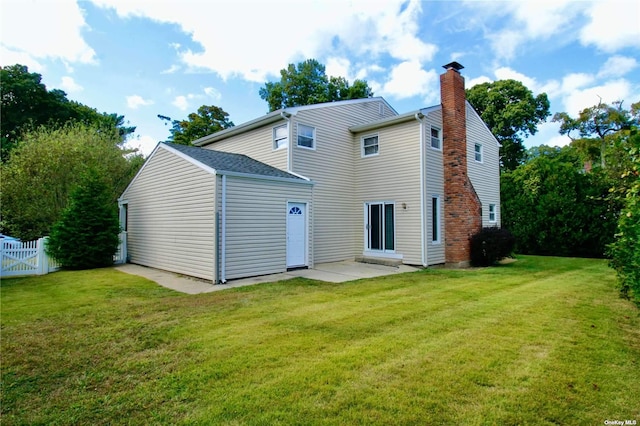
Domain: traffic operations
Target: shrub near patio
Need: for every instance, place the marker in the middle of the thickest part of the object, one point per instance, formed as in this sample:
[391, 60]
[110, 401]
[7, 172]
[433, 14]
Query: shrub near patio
[541, 340]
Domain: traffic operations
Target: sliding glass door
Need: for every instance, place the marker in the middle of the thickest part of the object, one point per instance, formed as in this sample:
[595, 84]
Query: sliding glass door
[380, 226]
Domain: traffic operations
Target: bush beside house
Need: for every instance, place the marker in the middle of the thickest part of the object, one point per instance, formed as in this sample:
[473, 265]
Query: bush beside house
[87, 234]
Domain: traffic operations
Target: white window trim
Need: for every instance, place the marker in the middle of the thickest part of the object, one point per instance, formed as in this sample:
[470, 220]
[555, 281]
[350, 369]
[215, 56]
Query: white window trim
[312, 148]
[275, 144]
[481, 152]
[362, 138]
[439, 138]
[381, 253]
[494, 213]
[437, 241]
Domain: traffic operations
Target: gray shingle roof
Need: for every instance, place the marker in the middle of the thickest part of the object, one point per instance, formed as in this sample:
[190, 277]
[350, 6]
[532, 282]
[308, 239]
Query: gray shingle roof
[229, 162]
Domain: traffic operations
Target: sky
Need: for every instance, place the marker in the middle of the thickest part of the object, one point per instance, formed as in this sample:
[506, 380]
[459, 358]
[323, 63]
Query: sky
[141, 58]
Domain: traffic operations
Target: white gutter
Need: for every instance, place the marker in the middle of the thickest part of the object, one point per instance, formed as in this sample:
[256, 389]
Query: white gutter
[420, 116]
[286, 116]
[223, 232]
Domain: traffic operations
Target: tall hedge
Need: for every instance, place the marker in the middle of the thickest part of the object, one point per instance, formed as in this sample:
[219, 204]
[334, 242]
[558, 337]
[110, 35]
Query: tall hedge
[552, 207]
[87, 234]
[625, 251]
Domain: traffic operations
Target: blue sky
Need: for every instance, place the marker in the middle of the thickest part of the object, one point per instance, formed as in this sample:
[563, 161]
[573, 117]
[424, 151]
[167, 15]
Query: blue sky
[144, 58]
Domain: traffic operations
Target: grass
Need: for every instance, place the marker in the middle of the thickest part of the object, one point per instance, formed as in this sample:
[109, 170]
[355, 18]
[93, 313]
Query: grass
[538, 341]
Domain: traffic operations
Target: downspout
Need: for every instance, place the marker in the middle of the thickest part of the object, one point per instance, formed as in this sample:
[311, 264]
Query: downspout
[223, 232]
[423, 244]
[286, 116]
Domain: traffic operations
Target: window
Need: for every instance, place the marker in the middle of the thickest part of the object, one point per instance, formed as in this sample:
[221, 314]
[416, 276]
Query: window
[492, 213]
[369, 145]
[435, 219]
[280, 137]
[306, 136]
[478, 152]
[435, 138]
[380, 226]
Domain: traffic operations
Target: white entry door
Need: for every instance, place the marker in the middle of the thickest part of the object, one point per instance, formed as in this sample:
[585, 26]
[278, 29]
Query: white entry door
[296, 235]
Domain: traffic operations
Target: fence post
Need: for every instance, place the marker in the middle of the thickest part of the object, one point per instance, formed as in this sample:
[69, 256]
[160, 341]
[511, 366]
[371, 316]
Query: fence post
[40, 262]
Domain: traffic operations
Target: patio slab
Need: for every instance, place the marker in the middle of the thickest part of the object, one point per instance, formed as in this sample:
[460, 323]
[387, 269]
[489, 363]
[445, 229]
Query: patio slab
[335, 272]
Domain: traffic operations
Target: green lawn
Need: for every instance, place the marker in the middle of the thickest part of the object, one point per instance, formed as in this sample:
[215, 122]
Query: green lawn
[538, 341]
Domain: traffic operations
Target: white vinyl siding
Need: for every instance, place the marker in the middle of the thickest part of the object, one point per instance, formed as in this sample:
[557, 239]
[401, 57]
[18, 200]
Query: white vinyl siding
[171, 216]
[394, 175]
[256, 220]
[484, 176]
[257, 144]
[337, 216]
[434, 186]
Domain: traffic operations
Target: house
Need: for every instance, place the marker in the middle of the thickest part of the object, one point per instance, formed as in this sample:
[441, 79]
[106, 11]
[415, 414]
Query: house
[319, 183]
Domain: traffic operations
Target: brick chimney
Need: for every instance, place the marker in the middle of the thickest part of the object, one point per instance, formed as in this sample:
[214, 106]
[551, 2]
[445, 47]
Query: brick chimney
[462, 207]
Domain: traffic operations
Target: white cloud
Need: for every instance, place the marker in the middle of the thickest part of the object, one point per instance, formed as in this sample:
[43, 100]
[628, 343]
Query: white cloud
[143, 143]
[45, 29]
[615, 90]
[410, 79]
[613, 25]
[69, 85]
[181, 103]
[136, 101]
[365, 71]
[338, 67]
[212, 92]
[575, 81]
[617, 66]
[11, 57]
[524, 21]
[505, 43]
[360, 27]
[478, 80]
[172, 69]
[548, 134]
[506, 73]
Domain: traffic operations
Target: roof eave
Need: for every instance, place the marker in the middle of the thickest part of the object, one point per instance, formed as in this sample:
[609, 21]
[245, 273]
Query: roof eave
[384, 122]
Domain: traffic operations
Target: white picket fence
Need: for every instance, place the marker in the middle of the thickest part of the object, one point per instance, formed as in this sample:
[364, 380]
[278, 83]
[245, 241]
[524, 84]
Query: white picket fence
[30, 257]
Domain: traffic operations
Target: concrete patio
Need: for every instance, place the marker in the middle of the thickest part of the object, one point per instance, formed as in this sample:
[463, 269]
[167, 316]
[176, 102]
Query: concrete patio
[336, 272]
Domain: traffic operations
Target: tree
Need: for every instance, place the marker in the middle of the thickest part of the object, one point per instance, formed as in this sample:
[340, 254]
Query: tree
[625, 250]
[27, 104]
[209, 119]
[307, 84]
[596, 127]
[41, 171]
[553, 208]
[86, 236]
[512, 112]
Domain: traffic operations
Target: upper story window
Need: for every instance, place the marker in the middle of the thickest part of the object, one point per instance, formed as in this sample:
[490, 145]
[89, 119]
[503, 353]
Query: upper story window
[280, 137]
[306, 136]
[478, 152]
[492, 213]
[370, 145]
[435, 138]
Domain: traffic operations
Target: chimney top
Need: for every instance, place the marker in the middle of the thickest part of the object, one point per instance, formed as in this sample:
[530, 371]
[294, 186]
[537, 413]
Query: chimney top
[454, 66]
